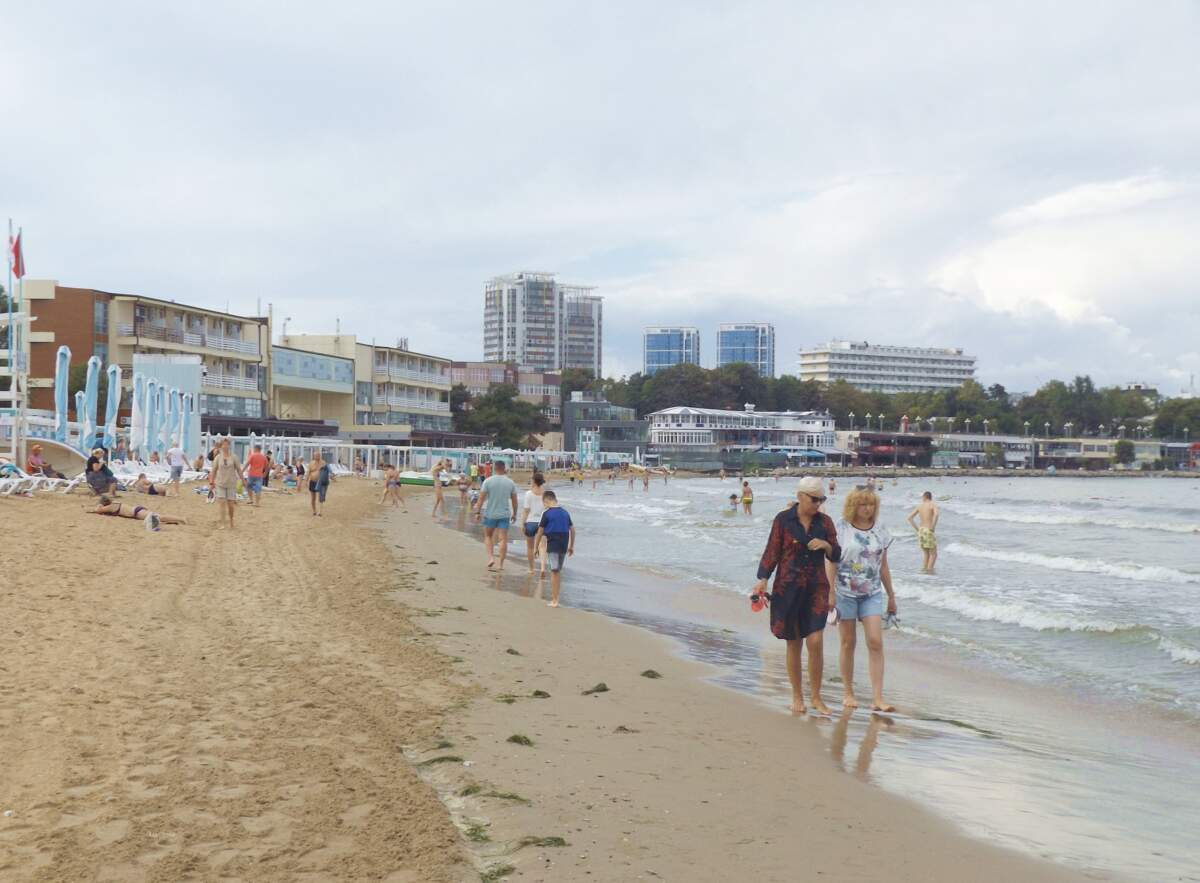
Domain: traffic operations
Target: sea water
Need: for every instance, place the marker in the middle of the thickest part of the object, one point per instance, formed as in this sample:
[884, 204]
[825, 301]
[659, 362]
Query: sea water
[1048, 675]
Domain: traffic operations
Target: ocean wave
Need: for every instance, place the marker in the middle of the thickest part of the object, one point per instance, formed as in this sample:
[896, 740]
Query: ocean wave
[1056, 518]
[1178, 652]
[1120, 570]
[1009, 612]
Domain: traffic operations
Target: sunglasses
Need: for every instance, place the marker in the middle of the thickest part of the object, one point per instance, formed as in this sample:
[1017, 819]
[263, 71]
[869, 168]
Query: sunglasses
[816, 499]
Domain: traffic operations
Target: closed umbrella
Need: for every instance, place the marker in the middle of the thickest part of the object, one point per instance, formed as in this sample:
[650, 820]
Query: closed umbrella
[185, 426]
[149, 418]
[91, 396]
[111, 406]
[164, 423]
[80, 404]
[172, 432]
[136, 431]
[62, 371]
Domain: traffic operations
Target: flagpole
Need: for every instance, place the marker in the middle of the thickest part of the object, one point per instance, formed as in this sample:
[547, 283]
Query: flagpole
[8, 293]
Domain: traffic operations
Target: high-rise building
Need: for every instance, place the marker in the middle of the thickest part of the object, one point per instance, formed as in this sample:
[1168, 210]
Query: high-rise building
[753, 343]
[888, 369]
[541, 324]
[664, 346]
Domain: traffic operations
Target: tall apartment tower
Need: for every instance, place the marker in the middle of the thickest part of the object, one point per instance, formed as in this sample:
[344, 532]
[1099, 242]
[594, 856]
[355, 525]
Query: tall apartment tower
[664, 346]
[541, 324]
[747, 342]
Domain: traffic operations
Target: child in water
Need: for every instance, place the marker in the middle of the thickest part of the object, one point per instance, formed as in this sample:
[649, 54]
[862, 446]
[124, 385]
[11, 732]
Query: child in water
[733, 502]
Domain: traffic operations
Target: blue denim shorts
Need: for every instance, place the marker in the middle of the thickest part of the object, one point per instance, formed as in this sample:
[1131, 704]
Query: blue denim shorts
[254, 484]
[853, 607]
[496, 523]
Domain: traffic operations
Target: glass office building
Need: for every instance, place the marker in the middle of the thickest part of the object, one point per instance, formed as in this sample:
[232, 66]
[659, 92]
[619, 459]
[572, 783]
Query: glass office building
[663, 347]
[753, 343]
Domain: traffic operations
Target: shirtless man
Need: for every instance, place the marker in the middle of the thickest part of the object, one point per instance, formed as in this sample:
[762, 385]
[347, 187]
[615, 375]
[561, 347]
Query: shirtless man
[929, 512]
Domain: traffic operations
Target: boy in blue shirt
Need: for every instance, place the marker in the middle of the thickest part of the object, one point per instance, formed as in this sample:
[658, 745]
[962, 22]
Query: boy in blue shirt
[559, 532]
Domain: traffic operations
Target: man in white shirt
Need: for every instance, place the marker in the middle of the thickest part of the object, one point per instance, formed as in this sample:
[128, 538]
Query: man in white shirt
[177, 460]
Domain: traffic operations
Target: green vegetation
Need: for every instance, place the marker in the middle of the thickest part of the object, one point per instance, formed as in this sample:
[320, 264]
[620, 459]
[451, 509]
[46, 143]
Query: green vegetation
[1125, 452]
[493, 874]
[477, 833]
[518, 739]
[444, 744]
[444, 758]
[541, 841]
[506, 795]
[540, 694]
[473, 788]
[599, 688]
[651, 673]
[500, 414]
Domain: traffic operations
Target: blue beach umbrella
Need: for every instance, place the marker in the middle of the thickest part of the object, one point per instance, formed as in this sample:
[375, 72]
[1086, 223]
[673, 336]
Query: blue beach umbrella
[172, 432]
[62, 370]
[111, 406]
[138, 406]
[150, 417]
[79, 409]
[91, 395]
[160, 439]
[185, 426]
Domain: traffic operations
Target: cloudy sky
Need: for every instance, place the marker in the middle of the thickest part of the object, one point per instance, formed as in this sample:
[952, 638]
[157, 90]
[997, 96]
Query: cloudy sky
[1019, 179]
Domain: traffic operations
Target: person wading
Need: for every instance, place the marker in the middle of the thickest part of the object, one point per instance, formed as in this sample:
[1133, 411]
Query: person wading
[801, 540]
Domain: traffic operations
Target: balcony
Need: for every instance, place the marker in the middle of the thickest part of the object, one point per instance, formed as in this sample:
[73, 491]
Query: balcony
[418, 404]
[429, 377]
[200, 340]
[227, 381]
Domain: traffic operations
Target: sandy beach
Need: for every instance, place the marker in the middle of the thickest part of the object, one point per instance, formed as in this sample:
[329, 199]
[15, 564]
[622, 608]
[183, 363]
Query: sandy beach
[290, 701]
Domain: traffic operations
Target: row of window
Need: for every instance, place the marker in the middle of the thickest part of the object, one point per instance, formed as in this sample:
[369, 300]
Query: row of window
[230, 406]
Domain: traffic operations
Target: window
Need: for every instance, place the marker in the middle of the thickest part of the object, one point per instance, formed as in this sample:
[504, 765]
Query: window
[100, 316]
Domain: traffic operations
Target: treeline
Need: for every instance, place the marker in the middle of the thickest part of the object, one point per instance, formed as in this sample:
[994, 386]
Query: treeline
[1057, 403]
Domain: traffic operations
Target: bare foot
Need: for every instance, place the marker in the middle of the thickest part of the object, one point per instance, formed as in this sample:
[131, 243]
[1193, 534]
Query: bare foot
[798, 705]
[491, 563]
[848, 701]
[880, 705]
[820, 707]
[551, 603]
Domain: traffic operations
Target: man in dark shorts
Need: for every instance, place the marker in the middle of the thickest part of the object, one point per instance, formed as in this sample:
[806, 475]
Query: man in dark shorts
[559, 531]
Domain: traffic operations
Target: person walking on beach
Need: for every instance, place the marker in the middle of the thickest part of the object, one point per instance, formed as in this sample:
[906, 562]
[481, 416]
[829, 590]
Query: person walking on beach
[832, 487]
[318, 482]
[928, 512]
[748, 498]
[558, 532]
[439, 499]
[531, 517]
[859, 579]
[256, 470]
[177, 460]
[391, 486]
[223, 478]
[802, 539]
[495, 497]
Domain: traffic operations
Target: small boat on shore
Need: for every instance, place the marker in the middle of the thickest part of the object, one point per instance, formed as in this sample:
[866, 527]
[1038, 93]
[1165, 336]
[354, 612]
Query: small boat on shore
[422, 479]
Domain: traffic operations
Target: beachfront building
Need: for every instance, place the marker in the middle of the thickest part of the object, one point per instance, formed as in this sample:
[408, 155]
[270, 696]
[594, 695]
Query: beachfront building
[753, 343]
[312, 387]
[605, 428]
[976, 449]
[887, 369]
[541, 324]
[664, 346]
[709, 438]
[541, 388]
[234, 351]
[399, 395]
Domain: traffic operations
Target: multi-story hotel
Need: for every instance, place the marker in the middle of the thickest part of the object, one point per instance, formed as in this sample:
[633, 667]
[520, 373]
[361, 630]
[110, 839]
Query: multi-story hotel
[753, 343]
[541, 324]
[397, 393]
[664, 346]
[541, 388]
[234, 351]
[887, 369]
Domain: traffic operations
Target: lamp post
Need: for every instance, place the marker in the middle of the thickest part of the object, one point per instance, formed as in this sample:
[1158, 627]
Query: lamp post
[985, 426]
[1121, 431]
[1046, 425]
[1067, 427]
[851, 416]
[968, 422]
[918, 422]
[880, 416]
[1102, 430]
[1185, 435]
[951, 420]
[867, 421]
[1027, 429]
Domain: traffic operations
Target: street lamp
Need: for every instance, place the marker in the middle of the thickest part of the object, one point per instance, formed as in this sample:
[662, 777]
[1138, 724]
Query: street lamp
[851, 416]
[1185, 435]
[985, 426]
[1026, 428]
[1121, 431]
[951, 420]
[1102, 430]
[1047, 426]
[868, 421]
[1067, 427]
[880, 416]
[918, 423]
[968, 422]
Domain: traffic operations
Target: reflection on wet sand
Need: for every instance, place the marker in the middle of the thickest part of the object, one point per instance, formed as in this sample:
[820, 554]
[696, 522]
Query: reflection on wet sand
[866, 748]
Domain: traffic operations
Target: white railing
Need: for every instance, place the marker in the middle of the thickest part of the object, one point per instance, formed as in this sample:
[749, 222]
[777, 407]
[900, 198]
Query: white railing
[420, 404]
[419, 376]
[225, 381]
[187, 338]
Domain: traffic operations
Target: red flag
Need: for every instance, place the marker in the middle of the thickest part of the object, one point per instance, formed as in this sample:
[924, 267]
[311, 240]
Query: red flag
[18, 260]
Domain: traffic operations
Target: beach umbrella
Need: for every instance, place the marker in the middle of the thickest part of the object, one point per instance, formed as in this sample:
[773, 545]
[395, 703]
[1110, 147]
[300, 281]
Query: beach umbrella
[62, 370]
[111, 406]
[138, 407]
[163, 424]
[185, 425]
[80, 404]
[172, 432]
[91, 396]
[149, 418]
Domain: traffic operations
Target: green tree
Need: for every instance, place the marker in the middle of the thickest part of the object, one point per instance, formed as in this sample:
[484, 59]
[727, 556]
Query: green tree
[500, 414]
[77, 382]
[792, 394]
[683, 384]
[1124, 453]
[460, 400]
[575, 379]
[1175, 416]
[738, 384]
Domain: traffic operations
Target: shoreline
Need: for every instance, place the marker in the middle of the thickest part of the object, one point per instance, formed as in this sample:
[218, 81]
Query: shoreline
[674, 777]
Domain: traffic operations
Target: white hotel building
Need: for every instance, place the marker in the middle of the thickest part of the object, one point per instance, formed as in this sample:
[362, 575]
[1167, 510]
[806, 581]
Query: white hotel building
[887, 369]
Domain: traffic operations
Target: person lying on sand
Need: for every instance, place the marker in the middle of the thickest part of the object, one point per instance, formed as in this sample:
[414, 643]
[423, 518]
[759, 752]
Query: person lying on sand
[108, 506]
[145, 486]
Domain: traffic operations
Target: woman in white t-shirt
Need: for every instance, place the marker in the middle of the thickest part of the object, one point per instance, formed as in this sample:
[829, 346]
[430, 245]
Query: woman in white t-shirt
[531, 517]
[858, 582]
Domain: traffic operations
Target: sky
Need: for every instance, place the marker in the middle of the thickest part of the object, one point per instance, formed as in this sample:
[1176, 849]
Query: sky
[1021, 180]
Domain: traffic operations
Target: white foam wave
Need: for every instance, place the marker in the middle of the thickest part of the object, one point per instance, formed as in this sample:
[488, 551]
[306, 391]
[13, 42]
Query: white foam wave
[1007, 612]
[1057, 518]
[1120, 570]
[1179, 652]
